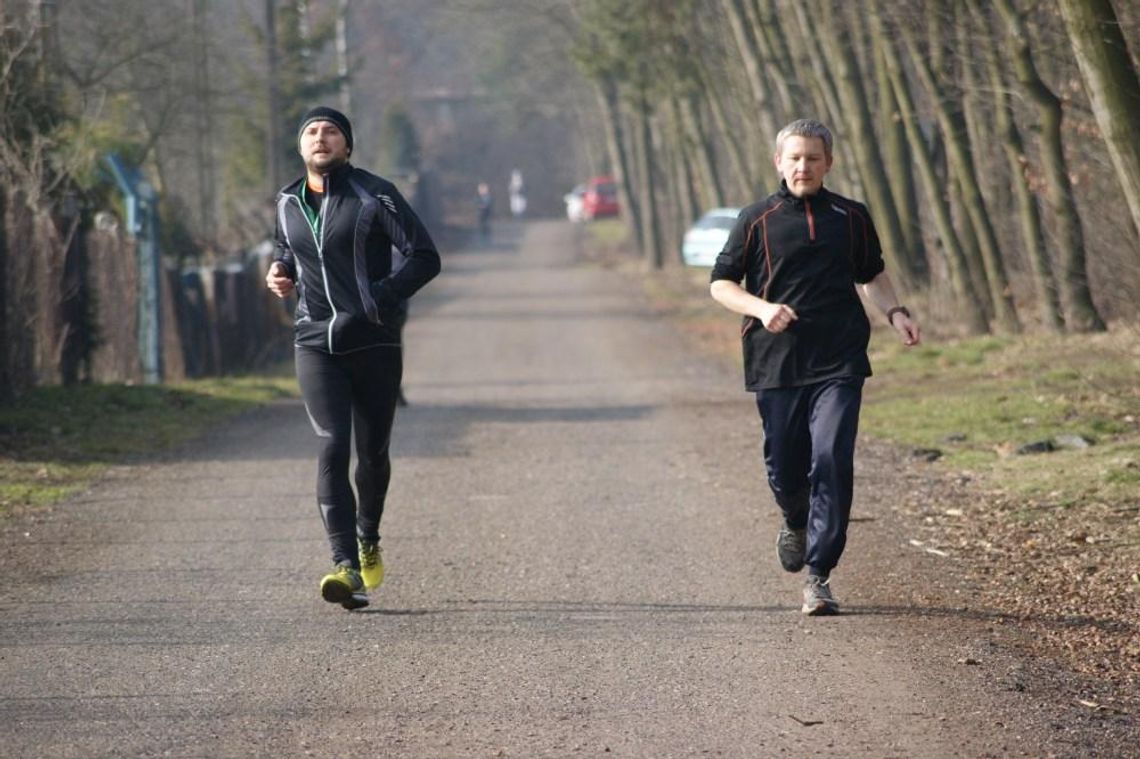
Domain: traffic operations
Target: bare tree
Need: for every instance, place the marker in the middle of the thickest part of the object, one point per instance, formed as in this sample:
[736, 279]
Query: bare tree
[805, 46]
[959, 153]
[1082, 314]
[866, 148]
[714, 96]
[956, 264]
[621, 165]
[1025, 202]
[744, 36]
[897, 163]
[1113, 87]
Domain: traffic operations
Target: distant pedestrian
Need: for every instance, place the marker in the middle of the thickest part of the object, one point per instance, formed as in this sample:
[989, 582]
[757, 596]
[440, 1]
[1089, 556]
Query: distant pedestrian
[484, 205]
[517, 192]
[799, 254]
[337, 229]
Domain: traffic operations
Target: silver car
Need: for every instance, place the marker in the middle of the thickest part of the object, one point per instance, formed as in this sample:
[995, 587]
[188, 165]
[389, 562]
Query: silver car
[705, 240]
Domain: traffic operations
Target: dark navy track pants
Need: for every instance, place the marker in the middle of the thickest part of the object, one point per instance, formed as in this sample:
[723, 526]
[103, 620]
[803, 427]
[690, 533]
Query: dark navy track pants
[809, 451]
[343, 391]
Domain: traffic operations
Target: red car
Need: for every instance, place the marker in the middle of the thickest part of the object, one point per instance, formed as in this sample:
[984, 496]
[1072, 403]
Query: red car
[600, 198]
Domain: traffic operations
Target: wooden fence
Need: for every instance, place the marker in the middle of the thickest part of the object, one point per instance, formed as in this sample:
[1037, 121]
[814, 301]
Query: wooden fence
[69, 307]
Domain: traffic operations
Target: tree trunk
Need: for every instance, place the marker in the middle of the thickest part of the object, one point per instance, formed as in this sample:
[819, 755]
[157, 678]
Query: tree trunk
[687, 203]
[968, 239]
[1028, 214]
[606, 92]
[865, 146]
[646, 186]
[702, 152]
[675, 172]
[594, 153]
[668, 151]
[955, 259]
[978, 120]
[809, 52]
[897, 161]
[1082, 315]
[74, 342]
[828, 106]
[1112, 85]
[742, 185]
[962, 164]
[746, 44]
[770, 35]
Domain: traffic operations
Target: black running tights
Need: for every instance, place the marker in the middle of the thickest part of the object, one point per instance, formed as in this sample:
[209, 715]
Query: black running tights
[342, 392]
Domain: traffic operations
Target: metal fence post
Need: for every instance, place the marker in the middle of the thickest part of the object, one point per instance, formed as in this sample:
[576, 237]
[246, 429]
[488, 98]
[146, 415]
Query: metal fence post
[142, 224]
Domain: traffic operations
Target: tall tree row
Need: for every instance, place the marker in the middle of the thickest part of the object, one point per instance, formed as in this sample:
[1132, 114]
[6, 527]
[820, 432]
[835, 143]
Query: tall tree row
[994, 142]
[978, 134]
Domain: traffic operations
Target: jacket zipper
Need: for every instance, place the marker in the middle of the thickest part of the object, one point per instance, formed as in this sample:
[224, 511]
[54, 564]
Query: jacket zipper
[319, 242]
[810, 220]
[321, 254]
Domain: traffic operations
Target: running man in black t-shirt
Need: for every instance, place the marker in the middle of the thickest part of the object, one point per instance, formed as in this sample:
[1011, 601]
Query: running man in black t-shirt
[799, 254]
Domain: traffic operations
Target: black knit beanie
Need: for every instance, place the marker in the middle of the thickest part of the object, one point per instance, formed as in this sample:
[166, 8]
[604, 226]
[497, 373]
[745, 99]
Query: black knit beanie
[324, 113]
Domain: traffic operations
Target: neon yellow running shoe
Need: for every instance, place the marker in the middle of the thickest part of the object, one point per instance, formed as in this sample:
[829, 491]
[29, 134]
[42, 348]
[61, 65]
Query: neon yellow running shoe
[343, 586]
[371, 564]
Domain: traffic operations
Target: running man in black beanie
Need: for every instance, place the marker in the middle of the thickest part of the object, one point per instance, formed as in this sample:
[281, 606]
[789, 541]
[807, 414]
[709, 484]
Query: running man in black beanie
[354, 251]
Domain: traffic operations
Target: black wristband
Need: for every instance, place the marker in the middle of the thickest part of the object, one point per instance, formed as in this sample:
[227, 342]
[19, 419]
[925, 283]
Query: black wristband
[897, 310]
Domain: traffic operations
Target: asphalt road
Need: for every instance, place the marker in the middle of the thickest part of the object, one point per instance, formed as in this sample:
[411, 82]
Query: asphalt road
[580, 563]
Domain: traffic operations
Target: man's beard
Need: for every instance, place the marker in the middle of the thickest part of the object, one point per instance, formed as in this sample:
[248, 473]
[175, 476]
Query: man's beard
[325, 163]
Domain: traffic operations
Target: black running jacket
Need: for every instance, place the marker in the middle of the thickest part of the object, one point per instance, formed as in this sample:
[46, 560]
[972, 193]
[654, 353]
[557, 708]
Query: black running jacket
[355, 263]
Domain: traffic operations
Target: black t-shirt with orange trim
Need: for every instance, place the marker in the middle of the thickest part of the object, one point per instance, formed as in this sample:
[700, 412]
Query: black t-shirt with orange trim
[807, 253]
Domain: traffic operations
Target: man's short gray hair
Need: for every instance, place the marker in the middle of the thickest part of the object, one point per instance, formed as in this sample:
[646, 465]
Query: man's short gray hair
[805, 128]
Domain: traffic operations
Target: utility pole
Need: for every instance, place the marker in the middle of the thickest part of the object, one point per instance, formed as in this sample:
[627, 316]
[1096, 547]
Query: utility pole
[342, 56]
[273, 146]
[203, 124]
[304, 32]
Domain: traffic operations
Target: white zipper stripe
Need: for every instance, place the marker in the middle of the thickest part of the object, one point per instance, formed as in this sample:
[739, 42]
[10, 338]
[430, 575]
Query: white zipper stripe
[319, 243]
[321, 255]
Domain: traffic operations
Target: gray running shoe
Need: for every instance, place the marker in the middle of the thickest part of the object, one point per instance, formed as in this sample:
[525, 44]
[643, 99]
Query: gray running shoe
[791, 546]
[818, 600]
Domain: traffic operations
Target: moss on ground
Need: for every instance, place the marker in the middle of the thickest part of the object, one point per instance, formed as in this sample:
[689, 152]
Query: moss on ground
[55, 441]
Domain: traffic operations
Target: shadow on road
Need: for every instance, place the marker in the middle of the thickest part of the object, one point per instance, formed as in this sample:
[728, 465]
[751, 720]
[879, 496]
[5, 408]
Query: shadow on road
[588, 609]
[441, 429]
[604, 609]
